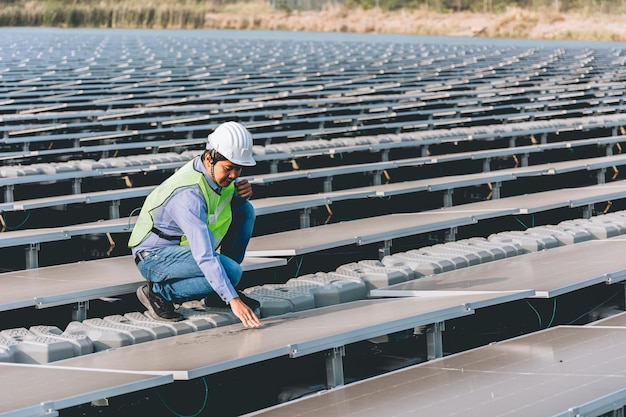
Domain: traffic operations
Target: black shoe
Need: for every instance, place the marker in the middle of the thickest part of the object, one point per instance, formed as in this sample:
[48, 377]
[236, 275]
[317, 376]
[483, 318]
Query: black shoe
[158, 307]
[213, 301]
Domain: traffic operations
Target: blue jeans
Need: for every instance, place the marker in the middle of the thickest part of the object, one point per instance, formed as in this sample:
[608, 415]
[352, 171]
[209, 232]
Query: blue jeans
[174, 272]
[236, 241]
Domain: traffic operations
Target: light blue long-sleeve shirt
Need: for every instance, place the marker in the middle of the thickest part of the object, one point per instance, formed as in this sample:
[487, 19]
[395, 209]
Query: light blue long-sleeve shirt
[185, 212]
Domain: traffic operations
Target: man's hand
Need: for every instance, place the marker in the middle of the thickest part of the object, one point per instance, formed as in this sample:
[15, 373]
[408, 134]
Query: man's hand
[244, 313]
[244, 188]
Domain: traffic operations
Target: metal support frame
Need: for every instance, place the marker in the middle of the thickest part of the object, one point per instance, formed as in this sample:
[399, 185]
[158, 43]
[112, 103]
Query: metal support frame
[334, 367]
[601, 176]
[32, 256]
[495, 190]
[8, 193]
[305, 218]
[385, 250]
[79, 313]
[328, 184]
[114, 209]
[376, 180]
[451, 234]
[384, 155]
[447, 198]
[434, 342]
[425, 150]
[588, 211]
[525, 160]
[76, 183]
[487, 165]
[105, 154]
[274, 166]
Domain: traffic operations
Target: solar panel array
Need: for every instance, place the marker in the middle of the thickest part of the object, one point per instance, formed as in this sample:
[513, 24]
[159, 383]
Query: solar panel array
[95, 119]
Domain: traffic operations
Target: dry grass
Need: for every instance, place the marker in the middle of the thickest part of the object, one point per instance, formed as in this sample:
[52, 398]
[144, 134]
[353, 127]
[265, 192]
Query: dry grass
[258, 14]
[514, 23]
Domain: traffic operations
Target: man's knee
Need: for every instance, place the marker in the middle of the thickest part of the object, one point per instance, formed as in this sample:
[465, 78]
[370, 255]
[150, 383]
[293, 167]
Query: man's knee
[243, 212]
[233, 270]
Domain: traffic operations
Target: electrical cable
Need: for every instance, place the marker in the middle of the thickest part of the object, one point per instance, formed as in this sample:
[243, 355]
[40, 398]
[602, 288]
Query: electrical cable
[539, 316]
[553, 314]
[299, 266]
[587, 312]
[21, 224]
[197, 413]
[520, 222]
[131, 215]
[536, 312]
[532, 218]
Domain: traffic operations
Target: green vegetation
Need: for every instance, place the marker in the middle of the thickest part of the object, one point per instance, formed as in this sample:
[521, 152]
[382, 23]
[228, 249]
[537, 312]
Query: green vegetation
[67, 13]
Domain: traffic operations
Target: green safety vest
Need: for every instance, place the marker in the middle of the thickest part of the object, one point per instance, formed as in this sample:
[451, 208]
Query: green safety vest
[219, 215]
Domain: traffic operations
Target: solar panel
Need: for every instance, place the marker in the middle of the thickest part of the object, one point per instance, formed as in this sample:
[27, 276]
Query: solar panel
[549, 273]
[29, 390]
[293, 334]
[562, 371]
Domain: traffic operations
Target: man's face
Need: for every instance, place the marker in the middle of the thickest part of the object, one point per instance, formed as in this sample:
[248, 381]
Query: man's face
[224, 172]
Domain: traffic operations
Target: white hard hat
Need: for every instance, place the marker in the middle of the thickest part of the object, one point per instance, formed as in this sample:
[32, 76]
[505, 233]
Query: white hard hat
[234, 142]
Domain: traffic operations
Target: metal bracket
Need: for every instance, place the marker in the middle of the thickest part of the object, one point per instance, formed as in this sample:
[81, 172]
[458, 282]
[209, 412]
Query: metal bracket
[80, 311]
[8, 193]
[305, 218]
[385, 250]
[328, 184]
[451, 234]
[601, 175]
[447, 198]
[293, 350]
[525, 160]
[114, 209]
[32, 258]
[487, 165]
[334, 366]
[103, 402]
[495, 191]
[76, 183]
[48, 409]
[376, 177]
[434, 342]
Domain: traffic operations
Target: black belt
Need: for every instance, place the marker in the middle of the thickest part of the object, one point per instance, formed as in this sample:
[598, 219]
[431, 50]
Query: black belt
[140, 256]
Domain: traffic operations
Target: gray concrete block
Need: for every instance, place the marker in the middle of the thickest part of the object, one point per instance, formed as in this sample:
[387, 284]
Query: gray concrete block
[179, 327]
[375, 276]
[81, 343]
[32, 348]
